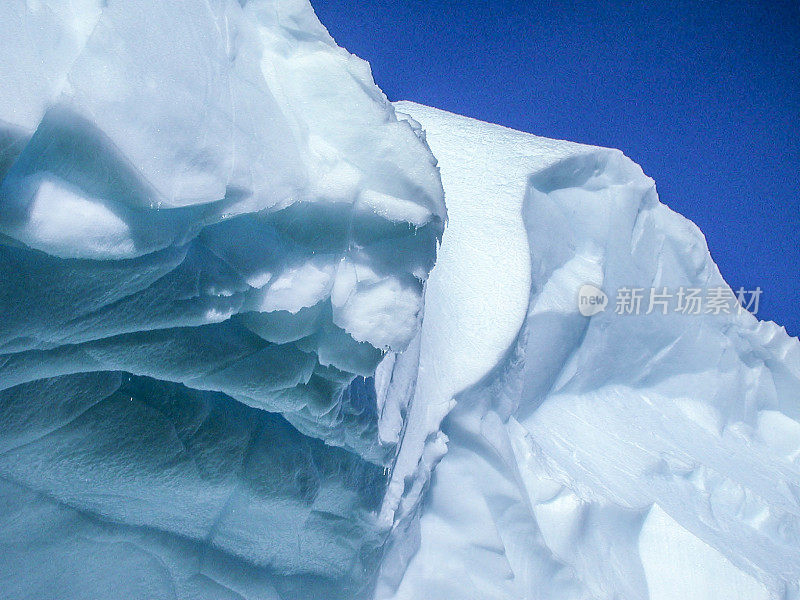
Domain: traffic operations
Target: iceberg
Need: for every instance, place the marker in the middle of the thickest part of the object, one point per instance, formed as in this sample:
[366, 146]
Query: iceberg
[246, 352]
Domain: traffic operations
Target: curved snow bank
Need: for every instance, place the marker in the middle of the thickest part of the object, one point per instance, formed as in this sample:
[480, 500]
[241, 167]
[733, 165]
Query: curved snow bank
[207, 211]
[627, 456]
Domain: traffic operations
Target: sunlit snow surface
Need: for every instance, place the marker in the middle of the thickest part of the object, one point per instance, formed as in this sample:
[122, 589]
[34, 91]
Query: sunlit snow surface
[218, 377]
[613, 457]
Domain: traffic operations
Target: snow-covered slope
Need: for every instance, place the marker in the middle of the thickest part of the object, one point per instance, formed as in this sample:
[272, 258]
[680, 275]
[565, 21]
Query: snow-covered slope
[637, 456]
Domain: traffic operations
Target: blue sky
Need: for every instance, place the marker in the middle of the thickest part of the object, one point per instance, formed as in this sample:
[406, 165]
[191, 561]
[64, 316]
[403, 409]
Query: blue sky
[704, 95]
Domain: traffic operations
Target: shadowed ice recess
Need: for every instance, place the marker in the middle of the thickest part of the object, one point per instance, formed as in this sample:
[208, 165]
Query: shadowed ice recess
[213, 229]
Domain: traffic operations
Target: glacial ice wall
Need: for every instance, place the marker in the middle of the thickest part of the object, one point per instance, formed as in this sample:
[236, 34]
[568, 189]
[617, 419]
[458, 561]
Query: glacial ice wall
[213, 229]
[638, 456]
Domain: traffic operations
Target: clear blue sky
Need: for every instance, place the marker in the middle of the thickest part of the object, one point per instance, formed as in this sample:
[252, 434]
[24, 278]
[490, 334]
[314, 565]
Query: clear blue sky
[704, 95]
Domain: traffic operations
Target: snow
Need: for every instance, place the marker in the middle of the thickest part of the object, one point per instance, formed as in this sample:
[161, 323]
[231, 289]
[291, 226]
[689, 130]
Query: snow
[235, 361]
[52, 228]
[679, 565]
[612, 456]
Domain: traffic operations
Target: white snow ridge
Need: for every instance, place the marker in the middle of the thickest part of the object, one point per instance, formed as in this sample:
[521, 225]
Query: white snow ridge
[225, 372]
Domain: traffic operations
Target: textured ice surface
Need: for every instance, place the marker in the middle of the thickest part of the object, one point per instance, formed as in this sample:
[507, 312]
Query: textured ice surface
[214, 238]
[618, 456]
[213, 229]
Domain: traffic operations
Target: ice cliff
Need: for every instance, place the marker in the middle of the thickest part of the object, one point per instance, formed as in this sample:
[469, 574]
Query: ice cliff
[214, 229]
[226, 373]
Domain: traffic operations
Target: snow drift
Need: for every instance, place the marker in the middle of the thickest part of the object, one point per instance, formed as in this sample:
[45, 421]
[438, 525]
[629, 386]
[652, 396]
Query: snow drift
[638, 456]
